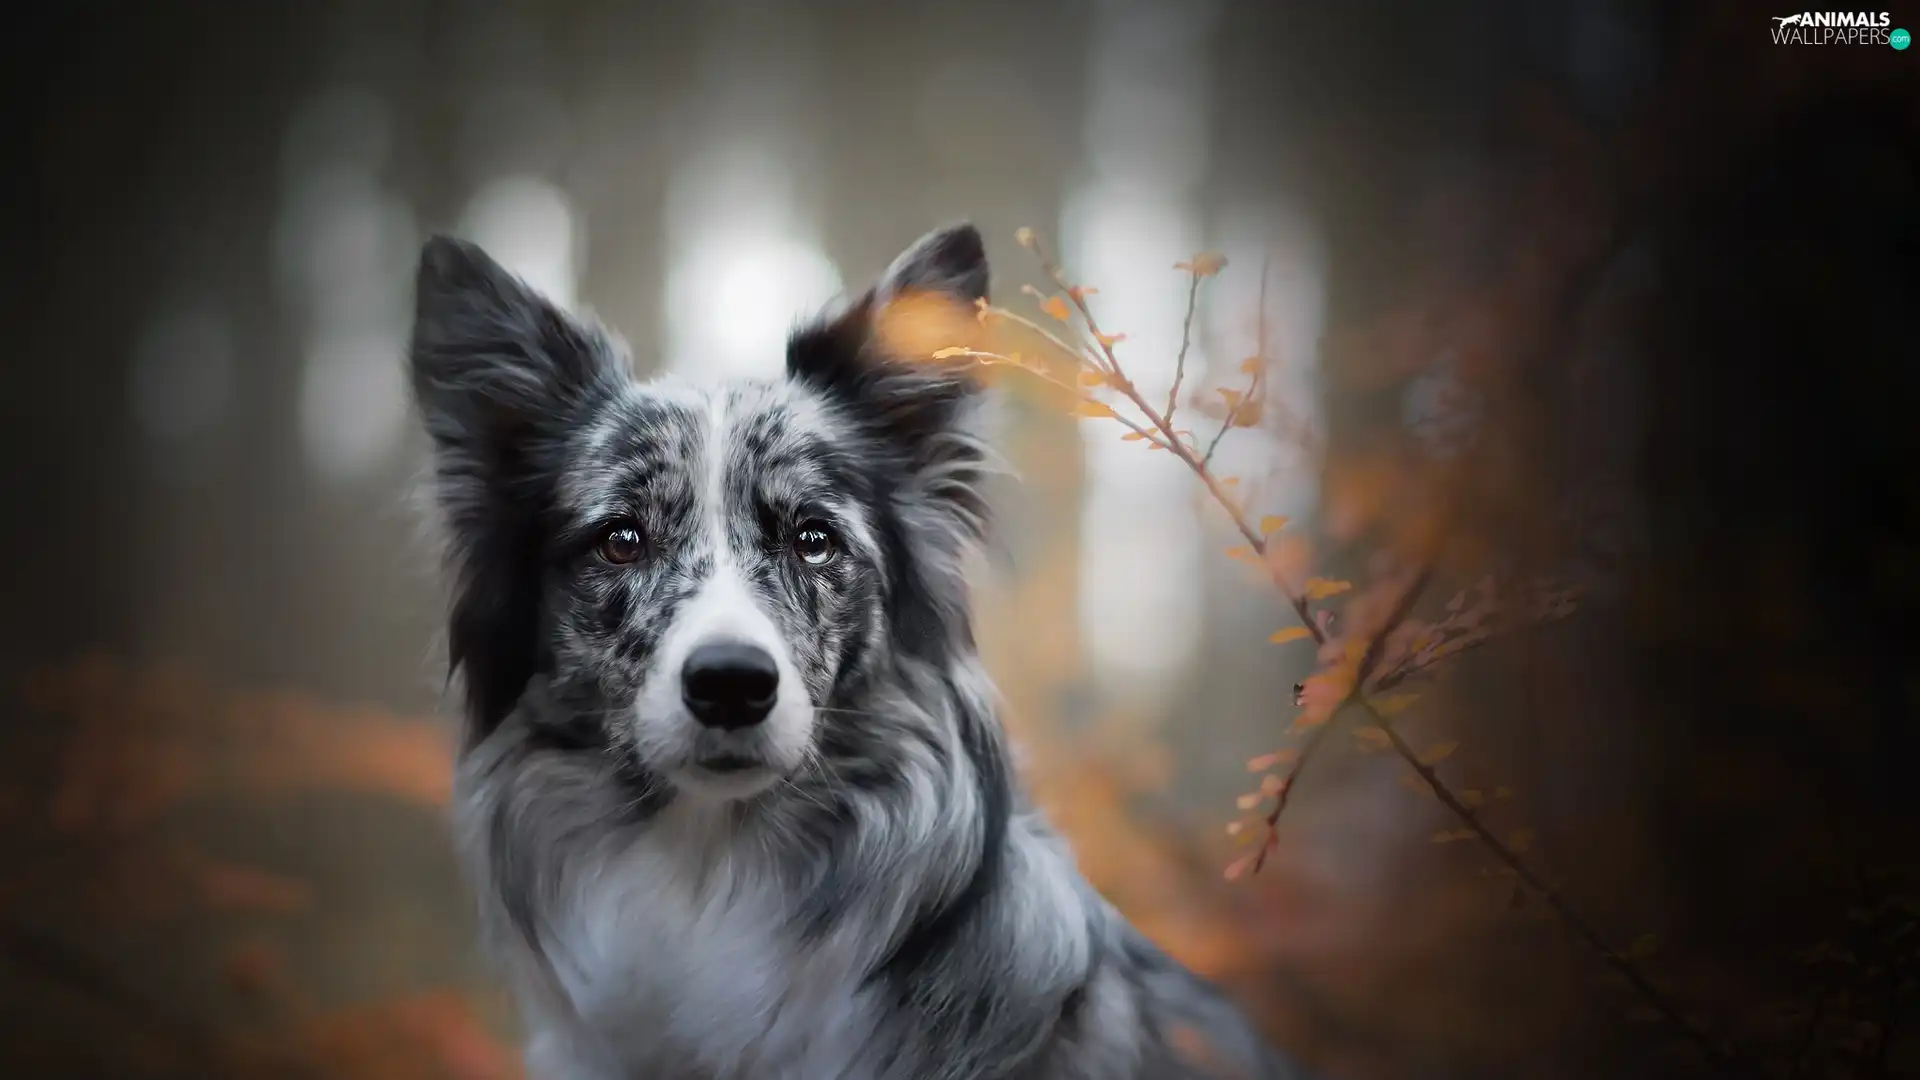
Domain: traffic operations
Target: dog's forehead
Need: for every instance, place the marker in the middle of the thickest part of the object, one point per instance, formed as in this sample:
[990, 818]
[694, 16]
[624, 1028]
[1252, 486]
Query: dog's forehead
[662, 432]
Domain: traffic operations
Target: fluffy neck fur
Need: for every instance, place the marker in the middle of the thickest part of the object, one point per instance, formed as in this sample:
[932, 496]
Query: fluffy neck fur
[913, 922]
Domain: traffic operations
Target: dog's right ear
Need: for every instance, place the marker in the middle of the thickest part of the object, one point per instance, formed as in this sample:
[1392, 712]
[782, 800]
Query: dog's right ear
[500, 375]
[493, 361]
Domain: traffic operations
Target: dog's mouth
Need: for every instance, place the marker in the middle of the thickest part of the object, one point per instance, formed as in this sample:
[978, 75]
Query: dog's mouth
[729, 764]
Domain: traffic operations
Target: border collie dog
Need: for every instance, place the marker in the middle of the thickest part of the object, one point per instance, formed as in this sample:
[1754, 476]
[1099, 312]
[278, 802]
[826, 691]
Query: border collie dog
[731, 783]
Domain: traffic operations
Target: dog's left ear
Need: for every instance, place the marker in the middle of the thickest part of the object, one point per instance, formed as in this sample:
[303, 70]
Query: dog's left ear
[951, 261]
[918, 406]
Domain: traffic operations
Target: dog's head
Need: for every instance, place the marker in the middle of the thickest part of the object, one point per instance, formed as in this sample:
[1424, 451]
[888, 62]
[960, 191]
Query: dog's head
[706, 575]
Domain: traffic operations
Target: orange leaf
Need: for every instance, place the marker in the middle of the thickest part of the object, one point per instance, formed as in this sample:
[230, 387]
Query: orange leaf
[1439, 753]
[1132, 436]
[1057, 308]
[1094, 409]
[1091, 378]
[1109, 340]
[1081, 292]
[1238, 867]
[1240, 552]
[1268, 761]
[1248, 801]
[1374, 737]
[1251, 365]
[1205, 264]
[1319, 588]
[228, 887]
[1271, 524]
[1288, 556]
[1291, 633]
[1520, 839]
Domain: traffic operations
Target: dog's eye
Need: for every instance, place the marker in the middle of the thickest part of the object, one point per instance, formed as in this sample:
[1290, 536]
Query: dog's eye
[622, 543]
[813, 542]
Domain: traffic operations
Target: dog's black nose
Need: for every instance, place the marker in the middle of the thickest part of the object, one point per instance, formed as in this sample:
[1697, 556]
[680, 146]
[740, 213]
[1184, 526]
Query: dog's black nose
[729, 684]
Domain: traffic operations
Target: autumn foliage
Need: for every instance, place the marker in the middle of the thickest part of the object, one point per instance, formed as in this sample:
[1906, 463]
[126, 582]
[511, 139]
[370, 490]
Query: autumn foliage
[1394, 888]
[145, 750]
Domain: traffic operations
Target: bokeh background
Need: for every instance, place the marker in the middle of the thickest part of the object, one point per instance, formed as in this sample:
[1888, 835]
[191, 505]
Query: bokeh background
[1688, 250]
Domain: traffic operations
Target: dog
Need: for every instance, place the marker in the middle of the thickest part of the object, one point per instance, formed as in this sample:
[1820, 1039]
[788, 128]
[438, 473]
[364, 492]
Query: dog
[731, 783]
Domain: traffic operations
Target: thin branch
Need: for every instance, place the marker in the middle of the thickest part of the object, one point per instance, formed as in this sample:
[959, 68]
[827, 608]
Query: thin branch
[1368, 661]
[1200, 468]
[1271, 840]
[1255, 386]
[1450, 646]
[1511, 859]
[1049, 377]
[1624, 967]
[1054, 339]
[1186, 341]
[1259, 354]
[1176, 445]
[1206, 459]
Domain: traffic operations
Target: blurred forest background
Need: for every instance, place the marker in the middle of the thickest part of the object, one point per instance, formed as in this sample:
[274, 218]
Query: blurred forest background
[1654, 271]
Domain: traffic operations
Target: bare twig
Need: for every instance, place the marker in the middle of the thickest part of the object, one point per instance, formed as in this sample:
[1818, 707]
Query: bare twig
[1449, 644]
[1258, 385]
[1271, 823]
[1500, 849]
[1001, 358]
[1175, 445]
[1368, 661]
[1186, 341]
[1255, 386]
[1615, 959]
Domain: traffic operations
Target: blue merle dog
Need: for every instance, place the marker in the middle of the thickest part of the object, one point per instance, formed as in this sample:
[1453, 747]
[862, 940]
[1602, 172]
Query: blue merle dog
[731, 784]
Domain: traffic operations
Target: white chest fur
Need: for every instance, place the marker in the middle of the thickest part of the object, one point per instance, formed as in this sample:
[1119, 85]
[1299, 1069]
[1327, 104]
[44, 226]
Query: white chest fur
[674, 960]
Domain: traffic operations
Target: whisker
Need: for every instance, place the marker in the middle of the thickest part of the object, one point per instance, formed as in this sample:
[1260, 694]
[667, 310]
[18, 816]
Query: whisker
[849, 712]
